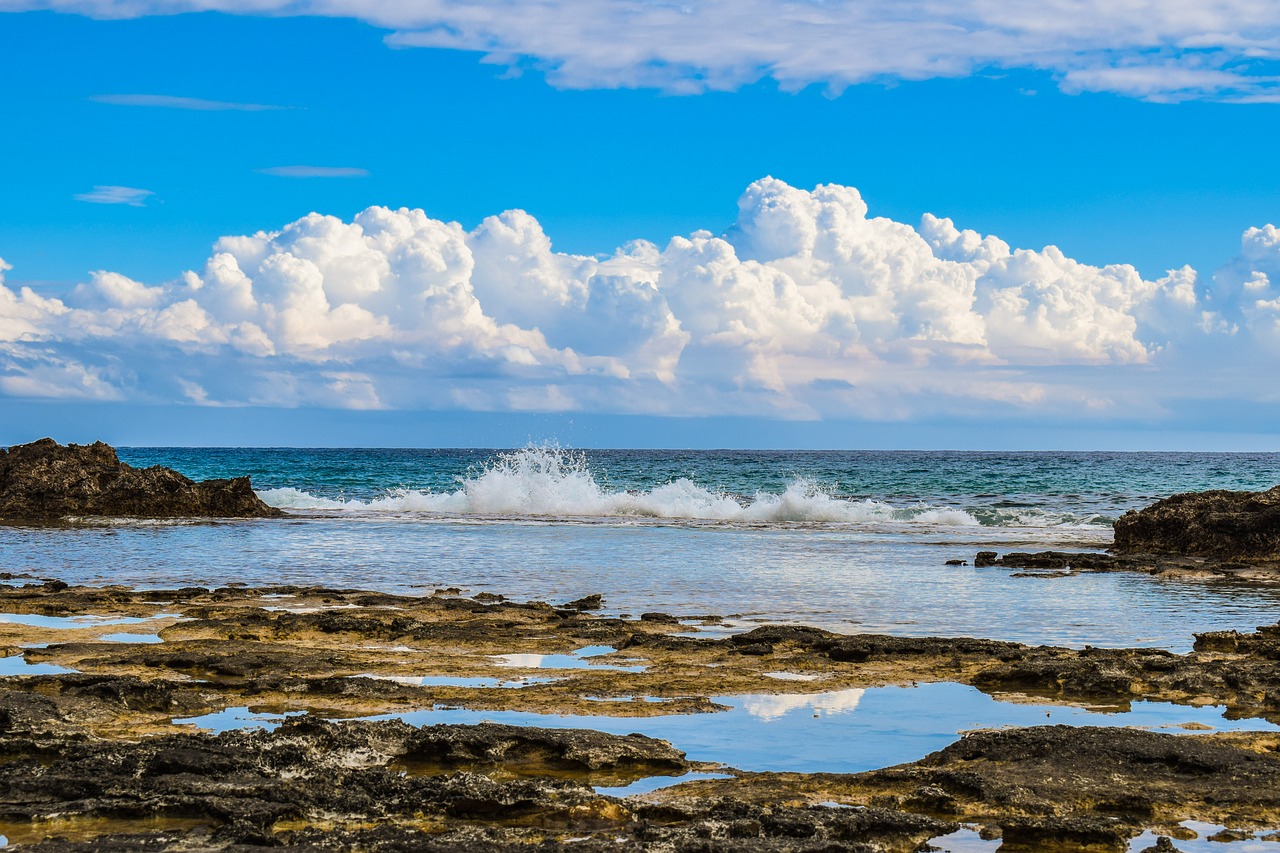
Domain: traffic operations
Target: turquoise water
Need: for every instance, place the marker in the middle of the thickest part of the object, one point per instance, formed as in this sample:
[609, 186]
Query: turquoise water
[851, 541]
[992, 489]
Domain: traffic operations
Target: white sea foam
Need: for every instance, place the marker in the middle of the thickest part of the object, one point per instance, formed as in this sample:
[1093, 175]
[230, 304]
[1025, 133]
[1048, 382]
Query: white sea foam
[291, 498]
[550, 482]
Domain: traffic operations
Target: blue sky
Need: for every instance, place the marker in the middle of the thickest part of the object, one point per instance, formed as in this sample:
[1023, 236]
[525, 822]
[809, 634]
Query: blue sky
[136, 139]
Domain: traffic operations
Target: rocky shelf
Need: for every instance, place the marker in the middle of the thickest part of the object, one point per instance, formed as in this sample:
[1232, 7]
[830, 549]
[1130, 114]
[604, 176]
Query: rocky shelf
[91, 757]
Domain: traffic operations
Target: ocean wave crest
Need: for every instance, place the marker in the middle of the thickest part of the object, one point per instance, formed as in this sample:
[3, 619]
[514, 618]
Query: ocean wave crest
[550, 482]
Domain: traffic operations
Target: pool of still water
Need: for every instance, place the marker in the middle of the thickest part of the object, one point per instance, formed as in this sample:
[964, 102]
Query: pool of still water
[844, 731]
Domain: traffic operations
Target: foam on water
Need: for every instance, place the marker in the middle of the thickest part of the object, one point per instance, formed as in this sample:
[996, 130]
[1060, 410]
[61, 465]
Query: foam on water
[550, 482]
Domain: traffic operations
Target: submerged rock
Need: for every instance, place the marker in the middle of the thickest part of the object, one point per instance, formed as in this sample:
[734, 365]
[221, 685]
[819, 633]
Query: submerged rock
[44, 481]
[1221, 525]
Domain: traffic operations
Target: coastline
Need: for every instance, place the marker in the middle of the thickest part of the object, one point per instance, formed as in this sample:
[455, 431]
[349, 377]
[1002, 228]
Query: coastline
[347, 654]
[167, 715]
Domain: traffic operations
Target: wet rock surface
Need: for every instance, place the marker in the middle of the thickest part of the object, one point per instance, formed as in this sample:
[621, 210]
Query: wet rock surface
[94, 757]
[46, 481]
[1057, 564]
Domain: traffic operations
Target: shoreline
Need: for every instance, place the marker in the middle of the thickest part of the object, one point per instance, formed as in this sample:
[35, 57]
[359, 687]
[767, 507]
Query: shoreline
[349, 654]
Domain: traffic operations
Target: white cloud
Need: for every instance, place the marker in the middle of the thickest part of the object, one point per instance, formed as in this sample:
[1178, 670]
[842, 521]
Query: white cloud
[315, 172]
[808, 307]
[173, 102]
[56, 379]
[131, 196]
[25, 315]
[1224, 50]
[1246, 292]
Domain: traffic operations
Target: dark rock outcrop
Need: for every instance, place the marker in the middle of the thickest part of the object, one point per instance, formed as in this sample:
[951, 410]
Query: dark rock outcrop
[497, 745]
[44, 481]
[1221, 525]
[318, 785]
[1086, 775]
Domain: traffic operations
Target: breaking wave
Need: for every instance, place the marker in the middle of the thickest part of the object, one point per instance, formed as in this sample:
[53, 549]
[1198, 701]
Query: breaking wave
[549, 482]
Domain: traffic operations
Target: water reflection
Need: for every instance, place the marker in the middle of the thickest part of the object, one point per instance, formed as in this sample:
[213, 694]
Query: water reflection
[583, 658]
[843, 731]
[768, 708]
[17, 665]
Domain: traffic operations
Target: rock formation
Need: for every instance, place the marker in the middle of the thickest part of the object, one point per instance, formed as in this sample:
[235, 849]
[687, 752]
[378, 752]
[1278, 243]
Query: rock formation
[1221, 525]
[44, 480]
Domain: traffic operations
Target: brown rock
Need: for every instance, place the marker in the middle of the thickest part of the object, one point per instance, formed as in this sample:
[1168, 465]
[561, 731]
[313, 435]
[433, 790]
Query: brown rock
[46, 481]
[1219, 524]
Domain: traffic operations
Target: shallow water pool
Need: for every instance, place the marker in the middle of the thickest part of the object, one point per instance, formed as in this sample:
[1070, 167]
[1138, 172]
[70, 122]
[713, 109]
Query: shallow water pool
[845, 731]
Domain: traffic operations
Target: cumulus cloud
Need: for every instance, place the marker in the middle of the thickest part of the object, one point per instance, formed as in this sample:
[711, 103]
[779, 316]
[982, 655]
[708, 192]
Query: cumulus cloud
[1223, 50]
[1246, 292]
[807, 307]
[131, 196]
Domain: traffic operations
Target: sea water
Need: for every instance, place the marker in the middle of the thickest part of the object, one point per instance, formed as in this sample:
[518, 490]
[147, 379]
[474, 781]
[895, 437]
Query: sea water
[850, 541]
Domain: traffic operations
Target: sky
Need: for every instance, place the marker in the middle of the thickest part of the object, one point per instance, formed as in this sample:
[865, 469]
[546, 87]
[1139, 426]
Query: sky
[818, 223]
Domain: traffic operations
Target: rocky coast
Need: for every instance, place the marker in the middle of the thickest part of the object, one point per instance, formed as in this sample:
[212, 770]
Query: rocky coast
[91, 757]
[246, 718]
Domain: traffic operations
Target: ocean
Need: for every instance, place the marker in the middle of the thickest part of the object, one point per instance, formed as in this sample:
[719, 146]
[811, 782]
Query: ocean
[847, 540]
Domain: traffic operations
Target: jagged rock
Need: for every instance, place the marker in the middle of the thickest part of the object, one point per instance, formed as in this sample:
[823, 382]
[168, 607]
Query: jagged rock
[1219, 524]
[44, 480]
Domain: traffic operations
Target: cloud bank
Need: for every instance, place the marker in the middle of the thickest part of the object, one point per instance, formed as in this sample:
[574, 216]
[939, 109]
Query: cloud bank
[808, 307]
[1224, 50]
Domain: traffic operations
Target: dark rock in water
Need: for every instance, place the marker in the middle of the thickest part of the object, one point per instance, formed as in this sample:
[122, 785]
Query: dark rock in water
[594, 601]
[496, 745]
[44, 480]
[1064, 833]
[663, 618]
[1163, 845]
[1219, 524]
